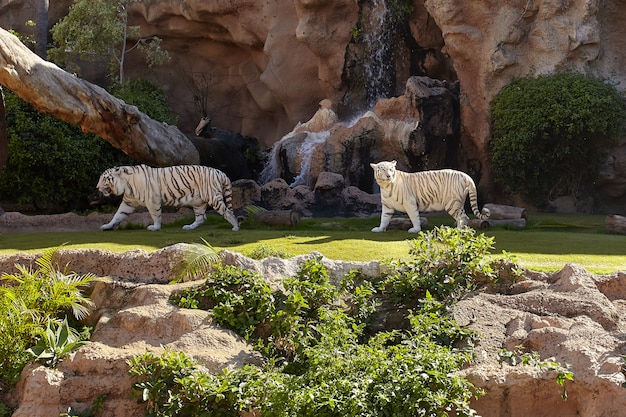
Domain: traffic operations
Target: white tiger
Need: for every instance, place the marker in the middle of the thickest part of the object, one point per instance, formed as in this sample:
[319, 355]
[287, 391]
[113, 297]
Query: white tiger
[183, 185]
[437, 190]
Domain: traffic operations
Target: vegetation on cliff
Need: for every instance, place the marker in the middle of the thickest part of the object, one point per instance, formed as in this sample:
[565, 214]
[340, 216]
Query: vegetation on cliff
[551, 132]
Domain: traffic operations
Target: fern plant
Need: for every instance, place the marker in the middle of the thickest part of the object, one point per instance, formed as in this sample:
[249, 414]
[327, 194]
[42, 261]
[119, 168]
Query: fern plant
[30, 299]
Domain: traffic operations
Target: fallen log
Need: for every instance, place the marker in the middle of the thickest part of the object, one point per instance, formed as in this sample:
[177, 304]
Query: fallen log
[404, 223]
[278, 217]
[489, 223]
[615, 224]
[503, 212]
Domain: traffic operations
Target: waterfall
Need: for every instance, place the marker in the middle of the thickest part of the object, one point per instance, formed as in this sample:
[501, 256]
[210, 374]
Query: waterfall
[378, 61]
[305, 155]
[306, 150]
[379, 74]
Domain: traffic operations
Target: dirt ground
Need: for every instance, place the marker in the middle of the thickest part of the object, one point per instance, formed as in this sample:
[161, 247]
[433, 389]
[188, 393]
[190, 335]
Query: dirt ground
[14, 222]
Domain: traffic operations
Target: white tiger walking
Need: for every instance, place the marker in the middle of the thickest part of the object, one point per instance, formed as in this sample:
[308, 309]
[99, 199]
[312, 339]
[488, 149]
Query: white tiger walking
[183, 185]
[437, 190]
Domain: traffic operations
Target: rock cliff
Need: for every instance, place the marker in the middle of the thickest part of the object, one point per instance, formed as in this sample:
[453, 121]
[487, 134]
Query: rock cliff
[267, 64]
[571, 316]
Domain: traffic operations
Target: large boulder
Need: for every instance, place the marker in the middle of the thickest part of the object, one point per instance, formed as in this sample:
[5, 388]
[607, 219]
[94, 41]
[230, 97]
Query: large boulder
[419, 129]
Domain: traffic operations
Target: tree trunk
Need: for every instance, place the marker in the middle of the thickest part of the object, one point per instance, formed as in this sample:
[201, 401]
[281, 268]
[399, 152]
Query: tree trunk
[278, 217]
[4, 134]
[615, 224]
[502, 212]
[41, 28]
[69, 98]
[488, 224]
[404, 223]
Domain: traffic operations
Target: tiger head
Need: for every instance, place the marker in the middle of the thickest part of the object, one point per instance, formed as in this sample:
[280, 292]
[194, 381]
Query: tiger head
[110, 182]
[384, 172]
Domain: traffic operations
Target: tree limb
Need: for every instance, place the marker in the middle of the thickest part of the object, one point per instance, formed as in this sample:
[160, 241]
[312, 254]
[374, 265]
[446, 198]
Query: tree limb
[74, 100]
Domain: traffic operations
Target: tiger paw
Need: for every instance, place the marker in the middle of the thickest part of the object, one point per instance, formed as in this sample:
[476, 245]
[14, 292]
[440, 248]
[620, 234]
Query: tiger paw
[235, 229]
[378, 229]
[153, 228]
[415, 230]
[107, 226]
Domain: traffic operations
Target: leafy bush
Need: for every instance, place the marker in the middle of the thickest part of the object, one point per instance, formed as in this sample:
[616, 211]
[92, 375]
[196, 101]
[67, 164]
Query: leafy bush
[29, 300]
[58, 341]
[238, 299]
[319, 359]
[51, 164]
[446, 262]
[265, 251]
[147, 96]
[549, 133]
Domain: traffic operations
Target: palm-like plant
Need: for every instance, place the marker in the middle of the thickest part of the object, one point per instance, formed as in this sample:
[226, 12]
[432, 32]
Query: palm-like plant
[198, 261]
[30, 299]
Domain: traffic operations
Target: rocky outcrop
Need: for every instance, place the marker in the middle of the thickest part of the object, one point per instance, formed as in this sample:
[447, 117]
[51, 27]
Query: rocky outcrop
[571, 316]
[268, 64]
[419, 129]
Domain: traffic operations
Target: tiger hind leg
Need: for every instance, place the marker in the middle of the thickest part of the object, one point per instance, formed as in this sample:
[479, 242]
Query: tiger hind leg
[226, 212]
[199, 212]
[458, 214]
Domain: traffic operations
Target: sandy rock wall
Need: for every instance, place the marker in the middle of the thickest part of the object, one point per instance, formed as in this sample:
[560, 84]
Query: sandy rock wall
[491, 42]
[571, 316]
[269, 63]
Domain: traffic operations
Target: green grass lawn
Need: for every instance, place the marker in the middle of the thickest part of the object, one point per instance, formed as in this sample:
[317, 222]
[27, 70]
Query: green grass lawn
[547, 243]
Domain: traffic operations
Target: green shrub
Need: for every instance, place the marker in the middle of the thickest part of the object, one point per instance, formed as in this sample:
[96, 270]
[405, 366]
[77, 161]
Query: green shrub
[29, 300]
[550, 132]
[51, 164]
[265, 251]
[238, 299]
[319, 359]
[58, 341]
[147, 96]
[446, 262]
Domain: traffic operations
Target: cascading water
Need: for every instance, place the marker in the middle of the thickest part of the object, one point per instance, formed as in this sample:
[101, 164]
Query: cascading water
[377, 59]
[305, 152]
[378, 72]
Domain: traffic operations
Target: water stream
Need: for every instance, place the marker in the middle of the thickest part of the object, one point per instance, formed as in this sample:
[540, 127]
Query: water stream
[379, 72]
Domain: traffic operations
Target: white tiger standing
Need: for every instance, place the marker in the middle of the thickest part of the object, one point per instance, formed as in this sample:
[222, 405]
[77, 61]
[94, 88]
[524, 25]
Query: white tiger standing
[183, 185]
[437, 190]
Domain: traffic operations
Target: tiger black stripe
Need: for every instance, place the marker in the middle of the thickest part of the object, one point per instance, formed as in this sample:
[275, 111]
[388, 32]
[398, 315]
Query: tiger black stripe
[195, 186]
[436, 190]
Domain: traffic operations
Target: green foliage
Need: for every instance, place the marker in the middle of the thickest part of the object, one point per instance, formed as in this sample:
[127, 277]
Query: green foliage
[58, 341]
[238, 299]
[519, 357]
[198, 262]
[319, 359]
[5, 410]
[97, 30]
[399, 10]
[174, 385]
[31, 299]
[446, 262]
[147, 96]
[550, 132]
[51, 164]
[263, 251]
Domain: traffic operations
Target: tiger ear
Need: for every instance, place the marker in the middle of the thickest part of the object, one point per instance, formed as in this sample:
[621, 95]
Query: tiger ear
[394, 162]
[373, 165]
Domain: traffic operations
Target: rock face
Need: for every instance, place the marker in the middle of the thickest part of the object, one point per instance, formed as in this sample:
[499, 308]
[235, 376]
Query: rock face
[268, 64]
[570, 316]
